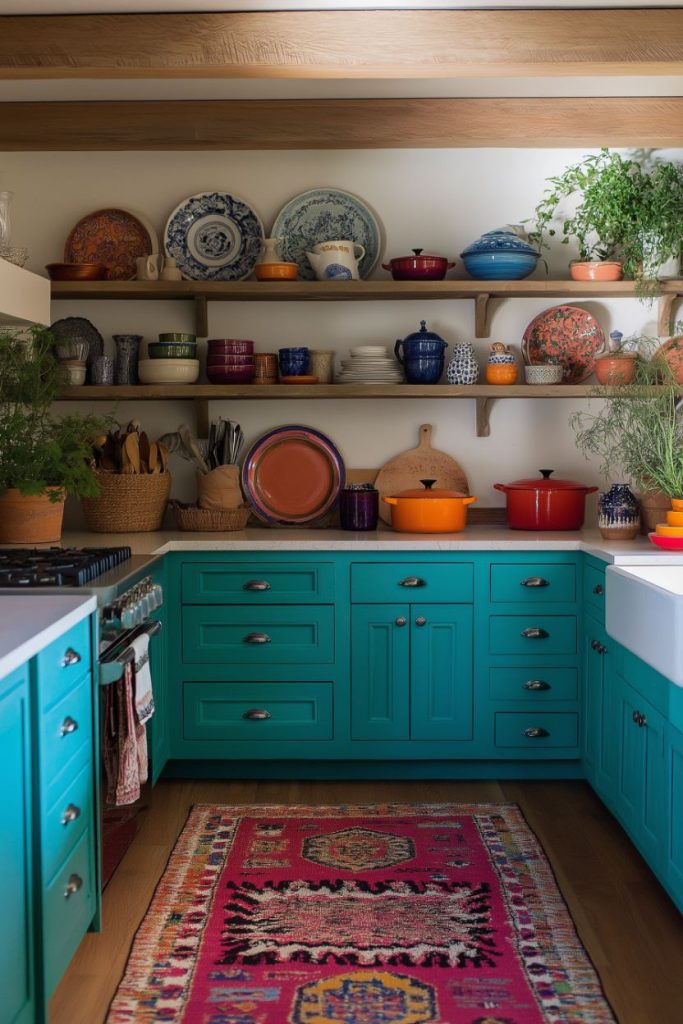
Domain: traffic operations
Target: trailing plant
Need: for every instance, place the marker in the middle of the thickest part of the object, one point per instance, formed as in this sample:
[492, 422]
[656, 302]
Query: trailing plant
[623, 208]
[37, 449]
[638, 431]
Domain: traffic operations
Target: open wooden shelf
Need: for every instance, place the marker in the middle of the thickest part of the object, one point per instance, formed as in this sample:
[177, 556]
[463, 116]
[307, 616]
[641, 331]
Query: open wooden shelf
[482, 292]
[483, 394]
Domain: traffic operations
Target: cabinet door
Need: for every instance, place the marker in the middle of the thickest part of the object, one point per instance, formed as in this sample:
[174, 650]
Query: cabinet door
[380, 671]
[16, 934]
[441, 681]
[673, 867]
[599, 734]
[641, 794]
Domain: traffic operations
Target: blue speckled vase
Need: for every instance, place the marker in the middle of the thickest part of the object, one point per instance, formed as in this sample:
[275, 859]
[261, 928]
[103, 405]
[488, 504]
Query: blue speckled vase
[618, 513]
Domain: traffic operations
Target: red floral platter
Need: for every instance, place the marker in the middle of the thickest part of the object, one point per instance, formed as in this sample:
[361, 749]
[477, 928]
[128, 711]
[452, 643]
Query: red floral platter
[111, 237]
[565, 334]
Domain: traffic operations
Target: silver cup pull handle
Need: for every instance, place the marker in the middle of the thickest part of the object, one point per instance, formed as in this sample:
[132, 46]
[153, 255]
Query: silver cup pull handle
[70, 813]
[257, 715]
[257, 638]
[536, 732]
[412, 581]
[535, 633]
[72, 886]
[258, 585]
[535, 581]
[71, 657]
[536, 685]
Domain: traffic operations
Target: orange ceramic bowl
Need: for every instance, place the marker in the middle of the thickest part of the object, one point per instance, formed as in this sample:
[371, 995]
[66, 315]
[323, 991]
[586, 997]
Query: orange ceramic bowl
[276, 271]
[669, 531]
[615, 370]
[674, 518]
[597, 270]
[501, 373]
[677, 504]
[76, 271]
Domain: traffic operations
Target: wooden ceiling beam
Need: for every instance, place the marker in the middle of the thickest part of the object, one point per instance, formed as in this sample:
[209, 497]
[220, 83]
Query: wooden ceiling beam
[341, 124]
[344, 44]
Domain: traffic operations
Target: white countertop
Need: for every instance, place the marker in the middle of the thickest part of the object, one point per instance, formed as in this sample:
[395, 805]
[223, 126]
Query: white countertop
[473, 538]
[29, 622]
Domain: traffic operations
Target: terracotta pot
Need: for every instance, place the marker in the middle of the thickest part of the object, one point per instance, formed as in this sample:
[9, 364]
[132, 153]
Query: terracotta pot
[30, 519]
[428, 511]
[545, 504]
[596, 270]
[615, 369]
[654, 506]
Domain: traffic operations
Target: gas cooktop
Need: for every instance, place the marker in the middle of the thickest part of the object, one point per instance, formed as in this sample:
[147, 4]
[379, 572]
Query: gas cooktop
[57, 567]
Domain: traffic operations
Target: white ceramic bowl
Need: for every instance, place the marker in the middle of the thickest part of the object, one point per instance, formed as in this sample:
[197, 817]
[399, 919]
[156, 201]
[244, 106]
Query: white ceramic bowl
[545, 373]
[168, 371]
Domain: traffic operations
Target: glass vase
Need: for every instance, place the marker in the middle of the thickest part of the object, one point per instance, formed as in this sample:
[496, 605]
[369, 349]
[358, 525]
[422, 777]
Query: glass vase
[127, 352]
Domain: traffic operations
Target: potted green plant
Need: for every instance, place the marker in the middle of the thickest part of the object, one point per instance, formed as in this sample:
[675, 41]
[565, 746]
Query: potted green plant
[42, 457]
[637, 434]
[625, 216]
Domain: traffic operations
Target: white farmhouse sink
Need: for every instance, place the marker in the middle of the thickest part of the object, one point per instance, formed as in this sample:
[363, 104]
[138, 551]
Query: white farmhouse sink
[644, 613]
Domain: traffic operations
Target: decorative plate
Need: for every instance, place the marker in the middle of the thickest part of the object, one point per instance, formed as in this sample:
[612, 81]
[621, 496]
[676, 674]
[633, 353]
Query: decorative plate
[325, 215]
[77, 328]
[292, 475]
[113, 238]
[565, 334]
[666, 543]
[214, 236]
[671, 353]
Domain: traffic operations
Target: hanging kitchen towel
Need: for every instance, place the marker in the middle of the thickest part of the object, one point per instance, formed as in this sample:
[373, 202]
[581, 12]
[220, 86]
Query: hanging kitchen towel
[144, 697]
[122, 739]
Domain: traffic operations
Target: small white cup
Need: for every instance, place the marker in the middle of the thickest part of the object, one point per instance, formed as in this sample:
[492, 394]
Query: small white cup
[148, 267]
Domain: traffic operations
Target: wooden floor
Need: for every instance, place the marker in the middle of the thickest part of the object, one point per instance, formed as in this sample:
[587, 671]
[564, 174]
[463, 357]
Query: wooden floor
[631, 929]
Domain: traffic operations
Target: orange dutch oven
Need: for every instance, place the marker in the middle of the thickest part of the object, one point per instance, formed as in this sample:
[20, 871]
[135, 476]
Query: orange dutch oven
[429, 510]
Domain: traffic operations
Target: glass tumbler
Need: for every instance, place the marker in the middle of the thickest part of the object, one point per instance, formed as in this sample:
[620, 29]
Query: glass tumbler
[127, 351]
[358, 507]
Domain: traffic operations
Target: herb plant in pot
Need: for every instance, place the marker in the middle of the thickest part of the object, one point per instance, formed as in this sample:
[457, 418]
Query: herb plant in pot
[637, 434]
[42, 457]
[624, 215]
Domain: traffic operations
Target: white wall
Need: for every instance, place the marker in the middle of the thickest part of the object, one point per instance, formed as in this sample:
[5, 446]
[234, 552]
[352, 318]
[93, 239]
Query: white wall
[437, 199]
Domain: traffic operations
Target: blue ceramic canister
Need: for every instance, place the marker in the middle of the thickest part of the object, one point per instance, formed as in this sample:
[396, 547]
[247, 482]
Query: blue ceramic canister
[422, 355]
[500, 256]
[618, 513]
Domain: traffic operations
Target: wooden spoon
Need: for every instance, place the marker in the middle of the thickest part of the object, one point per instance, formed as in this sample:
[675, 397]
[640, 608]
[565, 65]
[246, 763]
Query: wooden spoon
[131, 447]
[153, 460]
[144, 452]
[163, 456]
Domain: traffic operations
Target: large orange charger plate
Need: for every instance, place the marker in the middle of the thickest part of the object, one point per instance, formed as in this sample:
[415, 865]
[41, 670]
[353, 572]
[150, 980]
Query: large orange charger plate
[292, 475]
[111, 237]
[566, 334]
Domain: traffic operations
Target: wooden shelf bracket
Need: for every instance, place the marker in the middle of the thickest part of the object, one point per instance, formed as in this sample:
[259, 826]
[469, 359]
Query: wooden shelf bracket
[483, 414]
[201, 411]
[665, 305]
[201, 316]
[482, 327]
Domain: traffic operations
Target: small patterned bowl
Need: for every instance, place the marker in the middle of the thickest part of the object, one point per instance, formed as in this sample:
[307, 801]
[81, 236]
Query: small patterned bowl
[545, 373]
[177, 338]
[170, 350]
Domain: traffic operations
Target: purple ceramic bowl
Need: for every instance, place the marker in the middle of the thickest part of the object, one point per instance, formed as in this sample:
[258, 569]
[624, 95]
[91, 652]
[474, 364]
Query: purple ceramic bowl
[230, 374]
[220, 360]
[230, 346]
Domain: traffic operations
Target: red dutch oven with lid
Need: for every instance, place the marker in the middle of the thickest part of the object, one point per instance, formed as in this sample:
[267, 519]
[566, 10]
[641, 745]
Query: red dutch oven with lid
[418, 267]
[545, 504]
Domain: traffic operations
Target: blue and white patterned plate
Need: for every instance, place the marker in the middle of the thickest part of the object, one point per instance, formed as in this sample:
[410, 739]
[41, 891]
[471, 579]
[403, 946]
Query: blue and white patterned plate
[326, 215]
[214, 236]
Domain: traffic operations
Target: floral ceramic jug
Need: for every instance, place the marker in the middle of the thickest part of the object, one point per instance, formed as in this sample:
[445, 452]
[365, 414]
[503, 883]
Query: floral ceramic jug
[463, 367]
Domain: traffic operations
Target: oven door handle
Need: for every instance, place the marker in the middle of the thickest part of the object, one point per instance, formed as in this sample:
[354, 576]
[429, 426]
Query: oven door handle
[112, 665]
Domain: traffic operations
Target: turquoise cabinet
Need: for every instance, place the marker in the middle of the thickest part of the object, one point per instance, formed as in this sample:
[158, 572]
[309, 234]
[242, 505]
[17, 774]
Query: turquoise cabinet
[673, 849]
[17, 981]
[411, 672]
[599, 734]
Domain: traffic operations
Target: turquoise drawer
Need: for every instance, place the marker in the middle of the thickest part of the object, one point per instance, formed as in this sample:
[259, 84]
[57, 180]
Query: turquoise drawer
[298, 634]
[65, 820]
[541, 684]
[65, 736]
[533, 634]
[533, 583]
[594, 590]
[68, 909]
[536, 730]
[257, 582]
[63, 663]
[379, 582]
[257, 711]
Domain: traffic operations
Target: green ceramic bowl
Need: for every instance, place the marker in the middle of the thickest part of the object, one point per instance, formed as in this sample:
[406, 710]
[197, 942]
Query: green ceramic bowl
[171, 351]
[178, 338]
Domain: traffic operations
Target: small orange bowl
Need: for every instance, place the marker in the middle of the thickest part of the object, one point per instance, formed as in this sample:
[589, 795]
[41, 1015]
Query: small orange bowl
[677, 504]
[674, 518]
[669, 531]
[596, 270]
[76, 271]
[276, 271]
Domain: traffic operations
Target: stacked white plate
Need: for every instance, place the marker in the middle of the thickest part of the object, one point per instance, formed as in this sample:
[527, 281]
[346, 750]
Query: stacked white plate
[370, 364]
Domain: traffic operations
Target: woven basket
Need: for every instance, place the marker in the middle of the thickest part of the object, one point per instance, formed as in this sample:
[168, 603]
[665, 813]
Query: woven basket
[128, 502]
[213, 520]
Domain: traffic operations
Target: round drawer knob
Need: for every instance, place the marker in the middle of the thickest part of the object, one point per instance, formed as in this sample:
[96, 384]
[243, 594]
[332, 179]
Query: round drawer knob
[420, 621]
[71, 657]
[73, 885]
[68, 726]
[70, 813]
[401, 620]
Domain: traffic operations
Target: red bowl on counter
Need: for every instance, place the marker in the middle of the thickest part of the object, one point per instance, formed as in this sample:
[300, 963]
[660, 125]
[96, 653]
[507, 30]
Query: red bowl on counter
[230, 346]
[418, 267]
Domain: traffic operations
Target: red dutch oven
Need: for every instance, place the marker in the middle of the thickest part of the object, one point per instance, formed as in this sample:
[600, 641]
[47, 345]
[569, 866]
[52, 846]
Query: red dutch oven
[418, 267]
[545, 504]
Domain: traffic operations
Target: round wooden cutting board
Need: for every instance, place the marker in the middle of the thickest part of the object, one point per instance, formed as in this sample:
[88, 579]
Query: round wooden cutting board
[421, 463]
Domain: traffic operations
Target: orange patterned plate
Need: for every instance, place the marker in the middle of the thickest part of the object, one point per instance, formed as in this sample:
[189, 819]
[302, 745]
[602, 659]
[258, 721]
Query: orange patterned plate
[565, 334]
[110, 237]
[671, 353]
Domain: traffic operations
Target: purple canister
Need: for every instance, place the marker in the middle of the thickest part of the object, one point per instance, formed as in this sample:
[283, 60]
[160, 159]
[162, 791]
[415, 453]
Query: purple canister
[358, 507]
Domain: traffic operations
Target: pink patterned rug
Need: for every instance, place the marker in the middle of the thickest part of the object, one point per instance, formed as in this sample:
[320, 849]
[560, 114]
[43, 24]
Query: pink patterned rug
[419, 914]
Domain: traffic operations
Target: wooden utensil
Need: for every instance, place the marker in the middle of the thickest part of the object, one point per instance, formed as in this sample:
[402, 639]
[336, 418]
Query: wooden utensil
[153, 459]
[131, 449]
[163, 456]
[424, 462]
[144, 452]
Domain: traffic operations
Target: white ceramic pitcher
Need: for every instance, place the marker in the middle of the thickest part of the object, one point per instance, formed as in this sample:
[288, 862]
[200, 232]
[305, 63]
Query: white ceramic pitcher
[336, 261]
